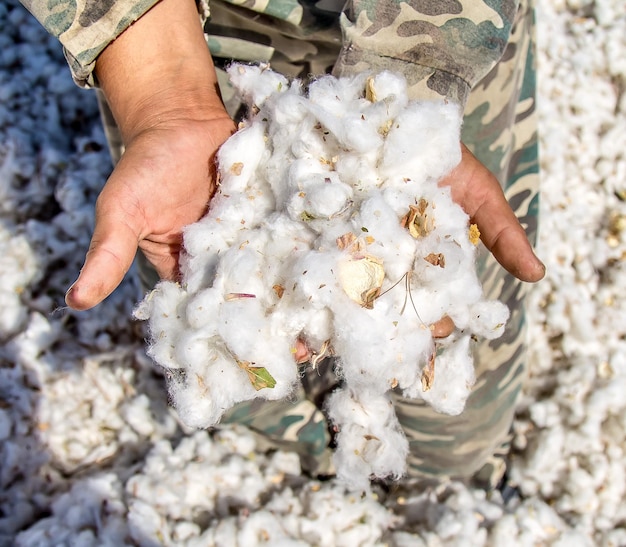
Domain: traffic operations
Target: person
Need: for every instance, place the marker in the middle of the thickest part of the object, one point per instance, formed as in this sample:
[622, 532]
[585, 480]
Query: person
[164, 101]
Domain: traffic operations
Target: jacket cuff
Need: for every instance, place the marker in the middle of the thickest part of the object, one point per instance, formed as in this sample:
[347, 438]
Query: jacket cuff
[90, 31]
[423, 82]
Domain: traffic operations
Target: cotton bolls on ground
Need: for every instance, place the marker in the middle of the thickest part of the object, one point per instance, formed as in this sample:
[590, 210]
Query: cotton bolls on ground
[328, 228]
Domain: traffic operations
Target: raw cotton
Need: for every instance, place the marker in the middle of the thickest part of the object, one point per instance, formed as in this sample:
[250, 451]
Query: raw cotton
[328, 227]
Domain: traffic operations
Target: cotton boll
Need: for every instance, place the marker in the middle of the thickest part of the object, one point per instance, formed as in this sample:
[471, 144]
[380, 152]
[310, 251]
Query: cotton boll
[488, 319]
[320, 196]
[303, 169]
[387, 85]
[359, 170]
[208, 234]
[191, 348]
[286, 111]
[314, 325]
[256, 83]
[239, 271]
[310, 141]
[389, 240]
[163, 307]
[352, 131]
[370, 440]
[203, 307]
[438, 150]
[315, 277]
[241, 210]
[453, 379]
[236, 174]
[438, 262]
[245, 333]
[200, 400]
[373, 345]
[263, 527]
[336, 95]
[286, 240]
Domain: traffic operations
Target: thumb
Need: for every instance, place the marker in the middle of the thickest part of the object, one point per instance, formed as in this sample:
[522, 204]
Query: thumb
[110, 255]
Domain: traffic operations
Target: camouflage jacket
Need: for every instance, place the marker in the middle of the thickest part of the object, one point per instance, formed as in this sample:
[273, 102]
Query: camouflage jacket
[443, 47]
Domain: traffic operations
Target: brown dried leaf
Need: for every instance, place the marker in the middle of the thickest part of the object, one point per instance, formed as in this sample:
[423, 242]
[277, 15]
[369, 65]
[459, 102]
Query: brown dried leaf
[279, 290]
[344, 241]
[418, 221]
[436, 259]
[428, 374]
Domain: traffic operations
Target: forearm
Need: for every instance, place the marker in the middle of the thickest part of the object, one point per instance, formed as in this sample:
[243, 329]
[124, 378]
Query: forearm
[159, 67]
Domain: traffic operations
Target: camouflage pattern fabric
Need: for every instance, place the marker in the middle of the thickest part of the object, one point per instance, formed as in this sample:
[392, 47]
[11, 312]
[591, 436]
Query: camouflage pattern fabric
[478, 54]
[500, 128]
[86, 27]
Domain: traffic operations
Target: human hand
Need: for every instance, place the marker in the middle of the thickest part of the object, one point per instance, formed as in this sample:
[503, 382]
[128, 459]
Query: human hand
[163, 182]
[159, 80]
[478, 192]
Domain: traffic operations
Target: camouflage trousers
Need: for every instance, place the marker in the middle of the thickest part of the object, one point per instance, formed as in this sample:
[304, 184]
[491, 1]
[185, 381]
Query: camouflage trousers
[500, 128]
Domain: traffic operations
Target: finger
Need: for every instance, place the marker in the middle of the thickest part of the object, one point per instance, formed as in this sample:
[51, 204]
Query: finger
[302, 354]
[443, 327]
[505, 238]
[111, 253]
[478, 191]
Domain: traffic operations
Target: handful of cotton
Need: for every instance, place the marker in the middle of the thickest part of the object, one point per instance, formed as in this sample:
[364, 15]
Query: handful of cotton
[328, 227]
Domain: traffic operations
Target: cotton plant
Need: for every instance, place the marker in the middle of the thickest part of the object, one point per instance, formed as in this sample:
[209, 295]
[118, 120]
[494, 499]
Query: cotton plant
[328, 229]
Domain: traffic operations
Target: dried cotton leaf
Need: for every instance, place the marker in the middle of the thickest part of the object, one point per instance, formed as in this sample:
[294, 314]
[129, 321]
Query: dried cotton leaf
[428, 374]
[474, 234]
[436, 259]
[418, 221]
[259, 376]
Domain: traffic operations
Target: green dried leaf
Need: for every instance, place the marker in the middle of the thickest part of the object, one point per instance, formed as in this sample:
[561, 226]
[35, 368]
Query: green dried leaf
[259, 376]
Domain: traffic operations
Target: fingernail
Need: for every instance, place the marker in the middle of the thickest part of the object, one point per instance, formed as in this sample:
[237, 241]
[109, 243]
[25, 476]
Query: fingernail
[69, 292]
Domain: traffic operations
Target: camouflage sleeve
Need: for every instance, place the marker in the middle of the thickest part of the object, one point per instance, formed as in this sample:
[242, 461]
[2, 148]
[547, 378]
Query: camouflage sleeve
[86, 27]
[443, 47]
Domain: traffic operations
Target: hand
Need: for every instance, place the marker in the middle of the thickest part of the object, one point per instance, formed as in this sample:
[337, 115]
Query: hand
[163, 182]
[160, 82]
[478, 191]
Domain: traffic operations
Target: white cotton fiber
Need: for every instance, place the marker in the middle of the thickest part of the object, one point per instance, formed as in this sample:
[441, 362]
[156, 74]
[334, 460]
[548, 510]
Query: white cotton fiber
[328, 227]
[370, 440]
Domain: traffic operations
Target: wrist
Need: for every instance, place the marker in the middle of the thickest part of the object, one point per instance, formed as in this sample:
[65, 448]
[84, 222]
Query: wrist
[159, 70]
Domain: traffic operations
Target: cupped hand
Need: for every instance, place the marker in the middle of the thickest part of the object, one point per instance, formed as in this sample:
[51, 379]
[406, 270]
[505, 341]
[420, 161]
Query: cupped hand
[160, 82]
[478, 192]
[163, 182]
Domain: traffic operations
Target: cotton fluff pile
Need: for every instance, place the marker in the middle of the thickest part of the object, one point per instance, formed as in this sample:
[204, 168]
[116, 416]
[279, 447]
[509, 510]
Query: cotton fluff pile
[328, 226]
